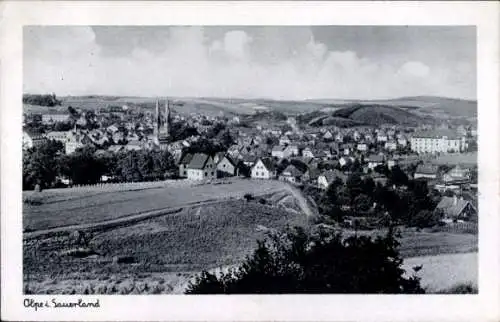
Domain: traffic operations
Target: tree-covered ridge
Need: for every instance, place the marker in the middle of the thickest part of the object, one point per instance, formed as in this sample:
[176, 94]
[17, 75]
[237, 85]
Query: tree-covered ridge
[42, 100]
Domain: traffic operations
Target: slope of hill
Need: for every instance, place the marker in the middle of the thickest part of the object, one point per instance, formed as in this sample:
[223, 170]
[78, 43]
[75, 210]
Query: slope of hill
[425, 105]
[378, 114]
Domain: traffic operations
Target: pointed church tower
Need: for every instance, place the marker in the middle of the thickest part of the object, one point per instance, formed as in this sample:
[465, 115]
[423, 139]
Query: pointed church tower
[162, 125]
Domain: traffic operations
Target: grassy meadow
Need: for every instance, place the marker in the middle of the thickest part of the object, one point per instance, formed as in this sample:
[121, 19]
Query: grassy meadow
[170, 248]
[64, 207]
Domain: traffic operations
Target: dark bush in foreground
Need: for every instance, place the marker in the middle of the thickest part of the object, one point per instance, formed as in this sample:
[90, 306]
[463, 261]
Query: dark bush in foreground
[297, 262]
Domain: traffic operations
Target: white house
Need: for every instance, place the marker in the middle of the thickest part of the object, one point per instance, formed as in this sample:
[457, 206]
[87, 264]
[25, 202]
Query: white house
[280, 152]
[390, 145]
[226, 167]
[263, 169]
[291, 174]
[32, 139]
[327, 177]
[374, 160]
[201, 167]
[57, 136]
[362, 147]
[426, 171]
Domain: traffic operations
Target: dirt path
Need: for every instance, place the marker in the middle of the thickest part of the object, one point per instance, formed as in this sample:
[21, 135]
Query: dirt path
[302, 201]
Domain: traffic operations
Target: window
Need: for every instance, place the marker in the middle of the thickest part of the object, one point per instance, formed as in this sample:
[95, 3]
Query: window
[206, 173]
[212, 173]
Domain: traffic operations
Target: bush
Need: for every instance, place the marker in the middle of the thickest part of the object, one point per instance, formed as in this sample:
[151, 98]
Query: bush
[298, 262]
[248, 196]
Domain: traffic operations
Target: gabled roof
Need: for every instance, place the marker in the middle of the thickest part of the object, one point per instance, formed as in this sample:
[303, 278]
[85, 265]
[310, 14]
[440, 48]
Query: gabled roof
[330, 175]
[427, 169]
[32, 133]
[198, 161]
[186, 158]
[292, 170]
[452, 206]
[375, 158]
[268, 163]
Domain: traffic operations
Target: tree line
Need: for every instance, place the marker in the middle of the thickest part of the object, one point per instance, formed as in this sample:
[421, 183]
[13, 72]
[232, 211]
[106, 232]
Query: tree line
[46, 165]
[41, 100]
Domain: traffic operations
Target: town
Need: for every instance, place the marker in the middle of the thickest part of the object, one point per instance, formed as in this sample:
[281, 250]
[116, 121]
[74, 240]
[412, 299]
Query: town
[264, 145]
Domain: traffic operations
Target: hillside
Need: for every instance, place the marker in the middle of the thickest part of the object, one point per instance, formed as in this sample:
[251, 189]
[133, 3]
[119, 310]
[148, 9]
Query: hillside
[378, 114]
[425, 105]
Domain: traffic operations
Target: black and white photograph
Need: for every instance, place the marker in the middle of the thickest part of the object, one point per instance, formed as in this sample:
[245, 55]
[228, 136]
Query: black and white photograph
[250, 158]
[269, 159]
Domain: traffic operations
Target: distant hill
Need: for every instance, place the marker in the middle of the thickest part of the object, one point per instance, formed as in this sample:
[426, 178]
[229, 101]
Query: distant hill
[428, 105]
[328, 111]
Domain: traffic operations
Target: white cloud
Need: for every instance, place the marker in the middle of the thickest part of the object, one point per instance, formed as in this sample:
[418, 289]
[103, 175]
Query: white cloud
[69, 61]
[415, 69]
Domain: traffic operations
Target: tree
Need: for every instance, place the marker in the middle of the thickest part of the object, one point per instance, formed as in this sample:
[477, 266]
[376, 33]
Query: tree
[83, 167]
[362, 203]
[425, 218]
[40, 164]
[318, 262]
[397, 176]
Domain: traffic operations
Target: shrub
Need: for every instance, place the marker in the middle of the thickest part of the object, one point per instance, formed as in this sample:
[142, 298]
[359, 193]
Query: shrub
[297, 262]
[248, 196]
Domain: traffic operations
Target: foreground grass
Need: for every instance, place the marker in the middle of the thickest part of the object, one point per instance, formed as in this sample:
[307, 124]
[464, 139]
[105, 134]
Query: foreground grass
[189, 241]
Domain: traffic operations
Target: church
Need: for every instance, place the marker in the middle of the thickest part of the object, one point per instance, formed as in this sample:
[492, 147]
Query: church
[162, 125]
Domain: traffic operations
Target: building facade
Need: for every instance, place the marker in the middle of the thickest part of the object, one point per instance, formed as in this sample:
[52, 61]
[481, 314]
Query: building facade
[437, 141]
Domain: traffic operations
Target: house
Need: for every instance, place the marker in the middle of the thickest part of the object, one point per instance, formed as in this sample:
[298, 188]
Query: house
[457, 175]
[390, 145]
[201, 167]
[248, 159]
[374, 160]
[402, 141]
[57, 136]
[362, 147]
[75, 140]
[263, 169]
[293, 149]
[382, 137]
[344, 161]
[53, 118]
[291, 174]
[328, 135]
[455, 208]
[307, 153]
[226, 167]
[285, 140]
[280, 152]
[426, 171]
[183, 164]
[327, 177]
[439, 140]
[32, 139]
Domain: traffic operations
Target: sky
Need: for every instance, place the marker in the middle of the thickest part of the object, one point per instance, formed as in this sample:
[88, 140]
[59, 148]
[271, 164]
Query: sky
[279, 62]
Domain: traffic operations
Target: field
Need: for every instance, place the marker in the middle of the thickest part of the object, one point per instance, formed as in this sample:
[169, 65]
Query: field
[64, 207]
[466, 159]
[442, 272]
[197, 226]
[170, 248]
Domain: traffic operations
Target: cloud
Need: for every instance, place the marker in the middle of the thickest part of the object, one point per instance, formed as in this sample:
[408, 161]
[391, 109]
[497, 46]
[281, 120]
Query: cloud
[285, 65]
[415, 69]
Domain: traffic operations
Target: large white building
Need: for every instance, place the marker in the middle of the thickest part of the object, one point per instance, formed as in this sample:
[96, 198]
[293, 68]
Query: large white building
[444, 141]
